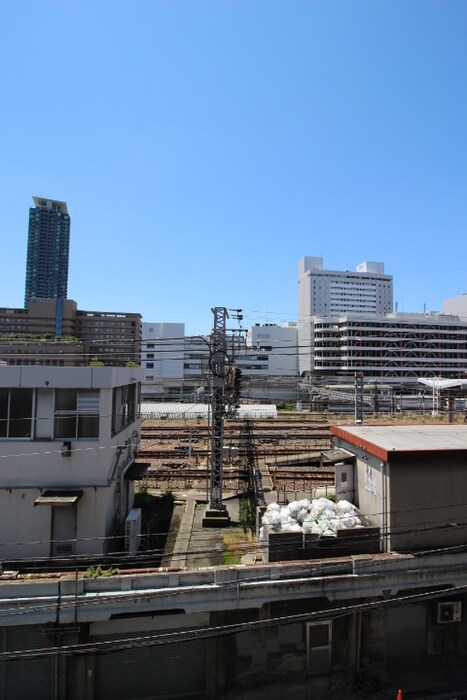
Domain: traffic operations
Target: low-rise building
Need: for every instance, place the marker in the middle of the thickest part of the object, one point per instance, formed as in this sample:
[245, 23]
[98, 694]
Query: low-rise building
[68, 440]
[408, 480]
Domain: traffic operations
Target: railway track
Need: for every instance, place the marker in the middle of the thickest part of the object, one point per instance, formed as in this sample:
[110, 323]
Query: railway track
[242, 473]
[261, 453]
[179, 453]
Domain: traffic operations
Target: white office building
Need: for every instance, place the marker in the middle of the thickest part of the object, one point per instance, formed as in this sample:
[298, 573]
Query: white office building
[393, 348]
[329, 292]
[162, 357]
[321, 292]
[456, 306]
[177, 366]
[277, 344]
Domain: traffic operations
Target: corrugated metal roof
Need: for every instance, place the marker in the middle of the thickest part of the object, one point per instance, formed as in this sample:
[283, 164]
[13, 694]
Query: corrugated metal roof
[58, 498]
[386, 439]
[183, 411]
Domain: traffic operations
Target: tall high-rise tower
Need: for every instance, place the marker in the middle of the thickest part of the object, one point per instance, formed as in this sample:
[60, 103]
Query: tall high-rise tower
[48, 247]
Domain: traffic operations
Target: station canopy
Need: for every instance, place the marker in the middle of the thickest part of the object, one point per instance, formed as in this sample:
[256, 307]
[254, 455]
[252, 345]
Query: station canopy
[438, 383]
[186, 411]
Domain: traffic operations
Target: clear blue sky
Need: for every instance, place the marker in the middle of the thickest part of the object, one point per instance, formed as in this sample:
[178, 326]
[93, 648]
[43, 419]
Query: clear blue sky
[204, 146]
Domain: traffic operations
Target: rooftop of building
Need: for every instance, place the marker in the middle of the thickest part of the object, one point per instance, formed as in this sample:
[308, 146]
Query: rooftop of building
[51, 203]
[366, 268]
[383, 440]
[67, 377]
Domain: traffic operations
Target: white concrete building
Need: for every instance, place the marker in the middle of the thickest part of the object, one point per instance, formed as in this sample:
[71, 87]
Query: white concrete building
[177, 366]
[323, 292]
[456, 306]
[162, 357]
[277, 344]
[393, 348]
[328, 292]
[68, 441]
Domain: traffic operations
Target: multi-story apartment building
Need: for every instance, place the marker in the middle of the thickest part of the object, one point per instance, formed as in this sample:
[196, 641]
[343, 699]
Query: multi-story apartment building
[55, 331]
[48, 249]
[393, 348]
[113, 337]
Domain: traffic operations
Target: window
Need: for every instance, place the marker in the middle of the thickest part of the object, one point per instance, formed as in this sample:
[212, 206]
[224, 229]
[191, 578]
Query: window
[15, 413]
[76, 414]
[149, 365]
[125, 406]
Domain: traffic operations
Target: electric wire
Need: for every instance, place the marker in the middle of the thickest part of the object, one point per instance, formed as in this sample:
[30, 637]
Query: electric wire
[312, 571]
[114, 645]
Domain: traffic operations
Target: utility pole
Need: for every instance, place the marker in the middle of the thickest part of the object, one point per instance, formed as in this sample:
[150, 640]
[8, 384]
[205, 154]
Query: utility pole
[216, 515]
[358, 397]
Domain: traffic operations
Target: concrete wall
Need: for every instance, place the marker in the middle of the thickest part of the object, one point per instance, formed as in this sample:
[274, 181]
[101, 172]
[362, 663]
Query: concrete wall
[364, 642]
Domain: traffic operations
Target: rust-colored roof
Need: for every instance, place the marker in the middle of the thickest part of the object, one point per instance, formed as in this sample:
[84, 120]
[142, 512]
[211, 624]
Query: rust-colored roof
[382, 441]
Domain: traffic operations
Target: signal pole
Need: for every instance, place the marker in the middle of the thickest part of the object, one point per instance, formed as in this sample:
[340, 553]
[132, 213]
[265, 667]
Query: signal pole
[358, 397]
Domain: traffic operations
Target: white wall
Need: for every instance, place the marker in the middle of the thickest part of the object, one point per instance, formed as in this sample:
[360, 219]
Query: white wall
[456, 306]
[28, 467]
[280, 347]
[162, 347]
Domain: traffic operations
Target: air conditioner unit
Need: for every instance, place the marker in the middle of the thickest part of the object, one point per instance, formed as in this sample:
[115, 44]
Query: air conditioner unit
[449, 612]
[133, 530]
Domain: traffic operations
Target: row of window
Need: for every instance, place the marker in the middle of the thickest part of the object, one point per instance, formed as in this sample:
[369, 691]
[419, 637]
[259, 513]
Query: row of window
[75, 412]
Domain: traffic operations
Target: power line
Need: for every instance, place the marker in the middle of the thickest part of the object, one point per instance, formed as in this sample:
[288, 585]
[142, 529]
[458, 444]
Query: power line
[114, 645]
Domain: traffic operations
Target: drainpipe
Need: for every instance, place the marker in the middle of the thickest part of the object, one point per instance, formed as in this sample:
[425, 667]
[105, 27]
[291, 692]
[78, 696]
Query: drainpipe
[384, 507]
[358, 652]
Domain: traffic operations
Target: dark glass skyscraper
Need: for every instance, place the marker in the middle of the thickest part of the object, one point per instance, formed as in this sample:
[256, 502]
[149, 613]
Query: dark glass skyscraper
[48, 247]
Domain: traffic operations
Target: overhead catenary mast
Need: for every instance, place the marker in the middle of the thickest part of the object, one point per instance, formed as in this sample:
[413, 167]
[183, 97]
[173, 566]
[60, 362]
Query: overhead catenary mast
[217, 515]
[219, 364]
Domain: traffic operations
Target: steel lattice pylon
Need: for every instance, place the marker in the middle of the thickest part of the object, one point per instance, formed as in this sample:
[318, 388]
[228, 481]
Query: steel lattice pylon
[219, 366]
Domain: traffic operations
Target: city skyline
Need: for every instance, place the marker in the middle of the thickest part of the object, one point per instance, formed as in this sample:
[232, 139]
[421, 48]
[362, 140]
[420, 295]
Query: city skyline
[204, 148]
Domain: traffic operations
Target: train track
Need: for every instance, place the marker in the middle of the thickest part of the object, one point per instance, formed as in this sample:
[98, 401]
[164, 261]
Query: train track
[179, 453]
[203, 453]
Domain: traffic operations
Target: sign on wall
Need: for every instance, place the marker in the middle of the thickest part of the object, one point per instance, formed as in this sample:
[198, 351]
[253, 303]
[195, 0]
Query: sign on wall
[370, 480]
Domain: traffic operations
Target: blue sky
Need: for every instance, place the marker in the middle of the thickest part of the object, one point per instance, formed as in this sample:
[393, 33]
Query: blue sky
[204, 146]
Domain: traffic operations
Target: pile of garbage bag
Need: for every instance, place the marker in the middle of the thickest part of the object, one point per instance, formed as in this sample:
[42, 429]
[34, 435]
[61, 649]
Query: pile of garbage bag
[319, 516]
